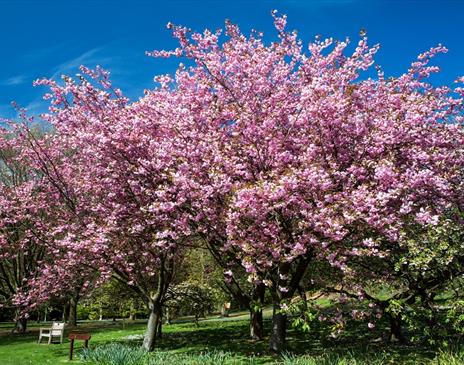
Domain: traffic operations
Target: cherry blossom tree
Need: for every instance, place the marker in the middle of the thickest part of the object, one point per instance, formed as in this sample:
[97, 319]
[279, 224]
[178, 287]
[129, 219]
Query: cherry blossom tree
[24, 217]
[107, 164]
[296, 153]
[273, 155]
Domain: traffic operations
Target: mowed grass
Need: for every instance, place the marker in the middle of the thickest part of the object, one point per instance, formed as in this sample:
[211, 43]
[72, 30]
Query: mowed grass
[214, 334]
[19, 349]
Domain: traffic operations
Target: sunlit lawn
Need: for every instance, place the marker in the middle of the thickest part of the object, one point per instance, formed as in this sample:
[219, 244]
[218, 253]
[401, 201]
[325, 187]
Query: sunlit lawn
[229, 334]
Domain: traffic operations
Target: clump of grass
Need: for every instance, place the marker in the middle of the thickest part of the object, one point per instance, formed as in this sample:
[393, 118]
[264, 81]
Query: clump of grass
[119, 354]
[449, 357]
[334, 359]
[115, 354]
[202, 358]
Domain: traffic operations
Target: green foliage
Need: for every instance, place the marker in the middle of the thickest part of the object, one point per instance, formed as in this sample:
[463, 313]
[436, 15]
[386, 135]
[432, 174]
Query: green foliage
[118, 354]
[191, 298]
[200, 267]
[203, 358]
[427, 252]
[303, 315]
[84, 311]
[335, 359]
[112, 300]
[114, 354]
[455, 316]
[395, 307]
[449, 357]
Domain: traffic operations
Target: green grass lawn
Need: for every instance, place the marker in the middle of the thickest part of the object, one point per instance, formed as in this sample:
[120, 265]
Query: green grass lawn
[229, 335]
[19, 349]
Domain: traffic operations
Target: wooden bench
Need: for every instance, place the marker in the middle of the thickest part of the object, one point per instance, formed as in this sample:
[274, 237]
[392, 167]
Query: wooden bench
[55, 331]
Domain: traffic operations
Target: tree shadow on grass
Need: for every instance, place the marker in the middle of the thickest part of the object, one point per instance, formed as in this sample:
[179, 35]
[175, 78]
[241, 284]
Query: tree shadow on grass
[233, 337]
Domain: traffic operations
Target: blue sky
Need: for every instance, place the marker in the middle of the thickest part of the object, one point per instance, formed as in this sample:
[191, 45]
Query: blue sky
[46, 38]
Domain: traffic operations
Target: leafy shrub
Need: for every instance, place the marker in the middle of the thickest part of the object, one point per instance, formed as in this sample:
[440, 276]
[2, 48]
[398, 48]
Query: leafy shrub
[83, 311]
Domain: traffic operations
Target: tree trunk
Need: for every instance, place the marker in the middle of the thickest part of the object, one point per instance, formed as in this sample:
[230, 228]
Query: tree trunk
[279, 329]
[155, 303]
[65, 316]
[256, 324]
[72, 320]
[302, 295]
[256, 312]
[396, 333]
[20, 325]
[149, 340]
[131, 311]
[160, 326]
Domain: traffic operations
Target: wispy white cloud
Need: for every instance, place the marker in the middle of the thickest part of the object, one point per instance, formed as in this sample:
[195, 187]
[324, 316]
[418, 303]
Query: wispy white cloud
[70, 67]
[14, 80]
[7, 111]
[37, 106]
[89, 57]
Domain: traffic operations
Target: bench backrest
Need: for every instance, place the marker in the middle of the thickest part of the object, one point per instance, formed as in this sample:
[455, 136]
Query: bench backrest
[57, 328]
